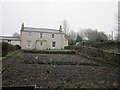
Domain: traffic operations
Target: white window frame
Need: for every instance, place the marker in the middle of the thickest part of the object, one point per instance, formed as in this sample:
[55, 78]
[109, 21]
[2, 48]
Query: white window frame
[29, 43]
[53, 44]
[41, 35]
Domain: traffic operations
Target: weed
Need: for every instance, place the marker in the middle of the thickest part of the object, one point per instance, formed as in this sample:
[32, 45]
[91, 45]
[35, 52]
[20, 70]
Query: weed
[36, 58]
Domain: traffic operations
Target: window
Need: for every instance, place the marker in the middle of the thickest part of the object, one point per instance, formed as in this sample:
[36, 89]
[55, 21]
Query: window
[9, 40]
[29, 43]
[29, 33]
[53, 44]
[41, 43]
[41, 35]
[52, 35]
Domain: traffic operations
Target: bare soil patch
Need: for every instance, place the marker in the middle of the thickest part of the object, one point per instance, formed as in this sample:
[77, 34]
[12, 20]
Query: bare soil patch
[58, 71]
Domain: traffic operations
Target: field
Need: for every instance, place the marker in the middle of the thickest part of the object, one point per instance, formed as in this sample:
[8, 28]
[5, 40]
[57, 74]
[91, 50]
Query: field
[57, 71]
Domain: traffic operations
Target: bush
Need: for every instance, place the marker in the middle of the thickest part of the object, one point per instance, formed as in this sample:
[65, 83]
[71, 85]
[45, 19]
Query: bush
[11, 47]
[66, 47]
[6, 47]
[49, 52]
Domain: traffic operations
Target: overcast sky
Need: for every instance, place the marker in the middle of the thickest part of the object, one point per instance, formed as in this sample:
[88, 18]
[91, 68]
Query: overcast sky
[100, 15]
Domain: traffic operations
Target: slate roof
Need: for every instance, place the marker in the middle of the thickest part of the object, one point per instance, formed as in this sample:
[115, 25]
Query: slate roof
[44, 30]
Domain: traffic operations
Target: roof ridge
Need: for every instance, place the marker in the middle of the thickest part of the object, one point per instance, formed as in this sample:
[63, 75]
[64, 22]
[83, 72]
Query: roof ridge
[42, 28]
[9, 36]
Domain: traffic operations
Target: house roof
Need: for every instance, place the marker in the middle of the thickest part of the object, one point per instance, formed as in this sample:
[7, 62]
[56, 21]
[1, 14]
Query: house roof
[10, 38]
[45, 30]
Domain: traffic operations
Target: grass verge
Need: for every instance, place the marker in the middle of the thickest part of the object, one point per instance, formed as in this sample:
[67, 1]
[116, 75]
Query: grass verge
[9, 54]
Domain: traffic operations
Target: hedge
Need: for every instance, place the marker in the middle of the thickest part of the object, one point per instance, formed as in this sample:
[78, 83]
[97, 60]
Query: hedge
[6, 47]
[49, 52]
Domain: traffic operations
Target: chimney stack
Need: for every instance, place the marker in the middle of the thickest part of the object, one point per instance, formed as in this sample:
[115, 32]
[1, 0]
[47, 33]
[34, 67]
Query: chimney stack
[60, 29]
[22, 27]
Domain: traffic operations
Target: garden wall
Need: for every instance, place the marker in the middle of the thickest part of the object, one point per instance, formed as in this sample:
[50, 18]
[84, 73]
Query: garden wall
[113, 58]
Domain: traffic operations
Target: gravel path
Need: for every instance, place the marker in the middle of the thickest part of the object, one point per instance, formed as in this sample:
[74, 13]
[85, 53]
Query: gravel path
[83, 74]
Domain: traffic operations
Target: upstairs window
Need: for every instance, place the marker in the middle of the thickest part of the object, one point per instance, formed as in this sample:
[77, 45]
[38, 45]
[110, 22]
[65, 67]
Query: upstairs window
[41, 35]
[28, 43]
[29, 33]
[53, 44]
[52, 35]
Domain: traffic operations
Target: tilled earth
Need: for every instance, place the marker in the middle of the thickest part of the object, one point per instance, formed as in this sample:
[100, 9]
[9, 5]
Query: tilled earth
[58, 71]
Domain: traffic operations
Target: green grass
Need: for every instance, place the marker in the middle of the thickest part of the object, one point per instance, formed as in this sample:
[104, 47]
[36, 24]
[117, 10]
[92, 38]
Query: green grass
[114, 50]
[9, 54]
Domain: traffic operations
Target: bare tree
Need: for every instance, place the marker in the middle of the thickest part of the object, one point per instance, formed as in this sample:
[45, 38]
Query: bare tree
[72, 37]
[66, 27]
[93, 35]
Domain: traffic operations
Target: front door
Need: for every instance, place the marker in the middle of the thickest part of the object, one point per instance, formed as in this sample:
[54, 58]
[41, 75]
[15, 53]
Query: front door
[40, 45]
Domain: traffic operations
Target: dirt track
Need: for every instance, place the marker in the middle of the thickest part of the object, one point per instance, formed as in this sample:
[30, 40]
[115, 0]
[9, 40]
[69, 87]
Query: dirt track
[45, 70]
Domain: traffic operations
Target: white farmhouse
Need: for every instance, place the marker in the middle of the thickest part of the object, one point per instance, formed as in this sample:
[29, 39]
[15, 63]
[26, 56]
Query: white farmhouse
[42, 38]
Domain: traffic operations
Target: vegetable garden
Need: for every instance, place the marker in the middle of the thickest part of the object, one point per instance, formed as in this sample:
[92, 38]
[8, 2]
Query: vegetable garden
[57, 71]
